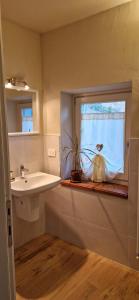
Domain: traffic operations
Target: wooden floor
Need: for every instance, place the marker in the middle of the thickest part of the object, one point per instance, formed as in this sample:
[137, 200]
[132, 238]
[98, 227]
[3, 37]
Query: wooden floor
[48, 268]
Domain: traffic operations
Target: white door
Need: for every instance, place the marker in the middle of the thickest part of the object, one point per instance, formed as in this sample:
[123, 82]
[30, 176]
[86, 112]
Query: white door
[7, 286]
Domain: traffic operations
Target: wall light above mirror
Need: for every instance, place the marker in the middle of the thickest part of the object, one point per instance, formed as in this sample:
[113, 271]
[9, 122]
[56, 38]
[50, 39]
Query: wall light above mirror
[22, 110]
[16, 82]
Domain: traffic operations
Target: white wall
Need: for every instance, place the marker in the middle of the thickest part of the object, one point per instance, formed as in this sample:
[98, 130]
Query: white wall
[100, 50]
[22, 54]
[22, 57]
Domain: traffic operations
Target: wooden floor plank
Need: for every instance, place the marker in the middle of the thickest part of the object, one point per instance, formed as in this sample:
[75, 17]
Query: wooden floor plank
[50, 269]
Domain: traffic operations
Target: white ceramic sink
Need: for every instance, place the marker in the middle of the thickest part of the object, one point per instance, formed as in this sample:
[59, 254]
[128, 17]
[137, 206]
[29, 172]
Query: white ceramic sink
[33, 183]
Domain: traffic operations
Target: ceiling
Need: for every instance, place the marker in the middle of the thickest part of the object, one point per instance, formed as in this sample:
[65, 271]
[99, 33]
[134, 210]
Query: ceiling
[46, 15]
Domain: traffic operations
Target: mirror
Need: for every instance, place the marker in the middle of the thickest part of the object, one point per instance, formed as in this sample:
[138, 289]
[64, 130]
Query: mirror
[22, 111]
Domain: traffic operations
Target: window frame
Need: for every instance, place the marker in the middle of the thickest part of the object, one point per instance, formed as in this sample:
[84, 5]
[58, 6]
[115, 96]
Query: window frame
[105, 98]
[21, 106]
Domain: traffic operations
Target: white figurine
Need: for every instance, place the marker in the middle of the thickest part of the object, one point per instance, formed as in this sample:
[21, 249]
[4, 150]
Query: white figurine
[99, 169]
[99, 166]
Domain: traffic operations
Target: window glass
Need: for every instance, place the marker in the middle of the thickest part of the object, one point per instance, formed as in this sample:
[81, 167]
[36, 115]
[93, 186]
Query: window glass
[104, 123]
[27, 119]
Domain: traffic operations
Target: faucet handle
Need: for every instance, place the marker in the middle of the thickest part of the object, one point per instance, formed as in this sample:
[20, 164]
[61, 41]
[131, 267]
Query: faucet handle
[22, 167]
[22, 171]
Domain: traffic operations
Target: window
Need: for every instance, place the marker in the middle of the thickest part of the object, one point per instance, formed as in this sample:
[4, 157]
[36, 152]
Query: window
[103, 120]
[27, 120]
[25, 117]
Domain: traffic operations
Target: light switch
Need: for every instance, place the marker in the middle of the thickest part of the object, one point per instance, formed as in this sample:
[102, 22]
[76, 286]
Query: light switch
[51, 152]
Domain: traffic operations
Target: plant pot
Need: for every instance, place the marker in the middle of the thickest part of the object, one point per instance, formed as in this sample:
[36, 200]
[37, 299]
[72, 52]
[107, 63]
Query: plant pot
[76, 176]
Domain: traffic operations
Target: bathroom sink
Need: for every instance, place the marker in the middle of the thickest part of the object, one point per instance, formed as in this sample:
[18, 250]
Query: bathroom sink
[33, 183]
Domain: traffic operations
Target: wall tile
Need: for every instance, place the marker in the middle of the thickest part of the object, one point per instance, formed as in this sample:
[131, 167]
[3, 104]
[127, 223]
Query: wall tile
[103, 241]
[133, 187]
[25, 231]
[27, 150]
[87, 235]
[132, 204]
[132, 261]
[52, 221]
[89, 220]
[133, 155]
[52, 164]
[102, 210]
[69, 231]
[60, 199]
[16, 146]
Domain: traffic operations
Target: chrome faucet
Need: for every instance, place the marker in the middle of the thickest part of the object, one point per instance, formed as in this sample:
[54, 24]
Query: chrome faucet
[12, 178]
[22, 171]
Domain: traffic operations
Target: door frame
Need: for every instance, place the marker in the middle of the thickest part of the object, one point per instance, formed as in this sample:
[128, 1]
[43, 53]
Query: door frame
[7, 274]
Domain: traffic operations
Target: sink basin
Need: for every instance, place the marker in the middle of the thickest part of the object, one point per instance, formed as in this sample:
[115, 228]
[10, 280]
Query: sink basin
[33, 183]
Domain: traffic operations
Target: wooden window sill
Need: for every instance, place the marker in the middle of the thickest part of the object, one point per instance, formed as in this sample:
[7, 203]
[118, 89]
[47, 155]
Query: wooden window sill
[107, 188]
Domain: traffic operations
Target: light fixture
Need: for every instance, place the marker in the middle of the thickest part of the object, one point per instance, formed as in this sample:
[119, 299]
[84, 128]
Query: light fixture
[16, 82]
[26, 86]
[8, 84]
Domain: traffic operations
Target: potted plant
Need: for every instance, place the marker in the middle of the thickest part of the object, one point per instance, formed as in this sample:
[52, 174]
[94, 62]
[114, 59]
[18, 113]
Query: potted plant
[77, 153]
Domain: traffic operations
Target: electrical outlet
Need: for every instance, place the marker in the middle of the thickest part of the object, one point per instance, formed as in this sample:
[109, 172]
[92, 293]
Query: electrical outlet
[51, 152]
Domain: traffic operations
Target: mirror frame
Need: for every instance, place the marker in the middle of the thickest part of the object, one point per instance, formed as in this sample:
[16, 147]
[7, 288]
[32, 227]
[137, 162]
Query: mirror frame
[37, 114]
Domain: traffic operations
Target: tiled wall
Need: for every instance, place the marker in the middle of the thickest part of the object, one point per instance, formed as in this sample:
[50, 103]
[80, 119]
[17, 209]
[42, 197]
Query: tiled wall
[24, 231]
[132, 201]
[52, 164]
[102, 223]
[88, 219]
[26, 150]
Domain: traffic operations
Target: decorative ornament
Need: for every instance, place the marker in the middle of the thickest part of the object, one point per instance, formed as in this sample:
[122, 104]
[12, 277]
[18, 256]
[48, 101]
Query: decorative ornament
[99, 166]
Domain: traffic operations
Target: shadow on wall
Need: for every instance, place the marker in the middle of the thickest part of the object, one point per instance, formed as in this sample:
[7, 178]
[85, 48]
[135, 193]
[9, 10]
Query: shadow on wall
[89, 220]
[113, 227]
[58, 225]
[42, 269]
